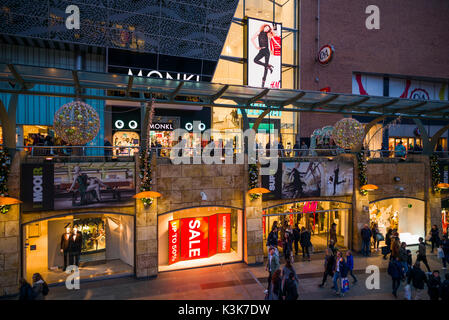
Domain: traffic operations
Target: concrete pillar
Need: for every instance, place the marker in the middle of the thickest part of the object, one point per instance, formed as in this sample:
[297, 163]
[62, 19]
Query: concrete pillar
[9, 251]
[253, 231]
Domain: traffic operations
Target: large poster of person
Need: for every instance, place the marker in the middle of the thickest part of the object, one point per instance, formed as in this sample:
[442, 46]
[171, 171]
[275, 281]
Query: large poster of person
[301, 179]
[338, 179]
[94, 184]
[264, 53]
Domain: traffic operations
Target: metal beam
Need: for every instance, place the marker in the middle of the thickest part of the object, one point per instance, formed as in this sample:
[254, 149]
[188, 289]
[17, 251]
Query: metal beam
[219, 93]
[175, 92]
[17, 76]
[130, 85]
[410, 107]
[437, 109]
[257, 96]
[383, 105]
[77, 82]
[353, 104]
[292, 99]
[324, 102]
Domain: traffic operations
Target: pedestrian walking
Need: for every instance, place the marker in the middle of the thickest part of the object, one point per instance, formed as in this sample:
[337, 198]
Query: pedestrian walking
[25, 291]
[40, 287]
[422, 253]
[350, 263]
[297, 237]
[291, 288]
[272, 239]
[366, 240]
[305, 243]
[395, 246]
[417, 278]
[329, 261]
[395, 271]
[275, 290]
[338, 268]
[445, 288]
[386, 250]
[287, 272]
[434, 286]
[445, 250]
[409, 259]
[333, 233]
[332, 247]
[272, 266]
[287, 246]
[403, 258]
[377, 236]
[434, 237]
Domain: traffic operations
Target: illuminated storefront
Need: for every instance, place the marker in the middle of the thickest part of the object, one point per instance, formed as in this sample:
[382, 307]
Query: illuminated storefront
[199, 237]
[402, 214]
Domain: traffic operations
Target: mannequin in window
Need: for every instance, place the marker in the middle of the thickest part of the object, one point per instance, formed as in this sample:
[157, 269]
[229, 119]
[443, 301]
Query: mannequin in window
[75, 246]
[65, 242]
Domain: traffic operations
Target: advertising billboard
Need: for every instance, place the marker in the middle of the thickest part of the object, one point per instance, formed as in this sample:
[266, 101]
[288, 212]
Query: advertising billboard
[200, 237]
[309, 179]
[36, 189]
[264, 43]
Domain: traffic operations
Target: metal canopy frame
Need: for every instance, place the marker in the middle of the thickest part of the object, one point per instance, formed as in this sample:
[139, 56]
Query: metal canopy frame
[182, 92]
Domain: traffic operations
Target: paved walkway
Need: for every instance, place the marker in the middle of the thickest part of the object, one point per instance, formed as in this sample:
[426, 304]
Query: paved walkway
[234, 281]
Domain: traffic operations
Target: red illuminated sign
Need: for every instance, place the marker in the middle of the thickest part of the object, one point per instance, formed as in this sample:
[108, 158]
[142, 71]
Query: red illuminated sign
[201, 237]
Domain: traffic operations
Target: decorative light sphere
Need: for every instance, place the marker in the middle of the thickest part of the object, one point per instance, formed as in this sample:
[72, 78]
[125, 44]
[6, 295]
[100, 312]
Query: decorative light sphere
[347, 133]
[77, 123]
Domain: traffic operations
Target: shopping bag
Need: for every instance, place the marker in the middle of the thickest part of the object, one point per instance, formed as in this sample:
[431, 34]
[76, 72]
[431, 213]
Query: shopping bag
[440, 253]
[407, 292]
[344, 285]
[380, 237]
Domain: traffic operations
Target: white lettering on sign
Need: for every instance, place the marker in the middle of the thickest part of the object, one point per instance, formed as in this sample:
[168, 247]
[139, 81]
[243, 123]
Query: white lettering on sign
[272, 183]
[158, 74]
[223, 235]
[37, 185]
[161, 126]
[194, 252]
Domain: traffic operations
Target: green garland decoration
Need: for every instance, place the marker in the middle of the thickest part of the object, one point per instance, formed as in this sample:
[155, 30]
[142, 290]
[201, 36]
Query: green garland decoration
[145, 160]
[253, 174]
[361, 164]
[435, 172]
[5, 168]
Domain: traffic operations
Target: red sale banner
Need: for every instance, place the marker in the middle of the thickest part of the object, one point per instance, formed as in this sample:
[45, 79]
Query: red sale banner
[194, 238]
[224, 232]
[173, 241]
[213, 233]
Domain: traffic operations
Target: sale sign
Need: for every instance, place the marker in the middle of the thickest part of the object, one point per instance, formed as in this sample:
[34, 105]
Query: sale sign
[224, 234]
[173, 241]
[201, 237]
[194, 238]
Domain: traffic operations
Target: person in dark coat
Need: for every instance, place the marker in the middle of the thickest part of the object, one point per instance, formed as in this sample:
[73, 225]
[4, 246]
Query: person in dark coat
[434, 286]
[296, 237]
[422, 253]
[445, 288]
[434, 237]
[305, 242]
[291, 288]
[445, 247]
[417, 278]
[366, 240]
[287, 246]
[395, 271]
[350, 263]
[388, 243]
[26, 292]
[329, 261]
[272, 240]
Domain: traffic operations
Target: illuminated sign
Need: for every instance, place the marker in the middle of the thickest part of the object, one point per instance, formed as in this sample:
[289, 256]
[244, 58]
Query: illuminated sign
[325, 54]
[264, 54]
[200, 237]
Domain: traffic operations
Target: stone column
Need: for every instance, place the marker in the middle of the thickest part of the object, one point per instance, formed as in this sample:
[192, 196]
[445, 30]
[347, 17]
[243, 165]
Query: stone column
[146, 240]
[9, 251]
[253, 231]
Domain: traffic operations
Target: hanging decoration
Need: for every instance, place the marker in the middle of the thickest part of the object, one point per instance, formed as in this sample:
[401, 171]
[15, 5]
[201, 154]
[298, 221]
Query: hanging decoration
[347, 133]
[361, 165]
[253, 175]
[77, 123]
[435, 172]
[5, 167]
[145, 158]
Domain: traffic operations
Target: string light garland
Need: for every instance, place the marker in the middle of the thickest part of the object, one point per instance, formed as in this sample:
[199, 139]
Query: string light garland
[5, 168]
[77, 123]
[361, 165]
[253, 175]
[145, 159]
[435, 172]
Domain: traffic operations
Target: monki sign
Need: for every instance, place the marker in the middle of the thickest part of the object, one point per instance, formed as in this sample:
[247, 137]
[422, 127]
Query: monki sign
[166, 75]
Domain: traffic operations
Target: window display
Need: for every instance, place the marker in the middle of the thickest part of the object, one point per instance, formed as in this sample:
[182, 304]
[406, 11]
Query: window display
[126, 140]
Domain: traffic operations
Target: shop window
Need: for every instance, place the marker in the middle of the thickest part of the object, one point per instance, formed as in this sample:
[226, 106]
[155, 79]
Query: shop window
[233, 46]
[126, 140]
[199, 237]
[104, 246]
[228, 72]
[406, 216]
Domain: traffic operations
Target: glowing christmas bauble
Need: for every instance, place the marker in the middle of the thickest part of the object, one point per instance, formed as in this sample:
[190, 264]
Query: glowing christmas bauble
[77, 123]
[347, 133]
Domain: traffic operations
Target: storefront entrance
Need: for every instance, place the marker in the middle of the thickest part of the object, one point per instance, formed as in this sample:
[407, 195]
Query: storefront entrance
[325, 220]
[405, 215]
[198, 237]
[106, 242]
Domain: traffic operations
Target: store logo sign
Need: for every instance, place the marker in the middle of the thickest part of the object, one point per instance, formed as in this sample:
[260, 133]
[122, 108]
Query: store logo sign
[161, 126]
[120, 124]
[325, 54]
[37, 187]
[158, 74]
